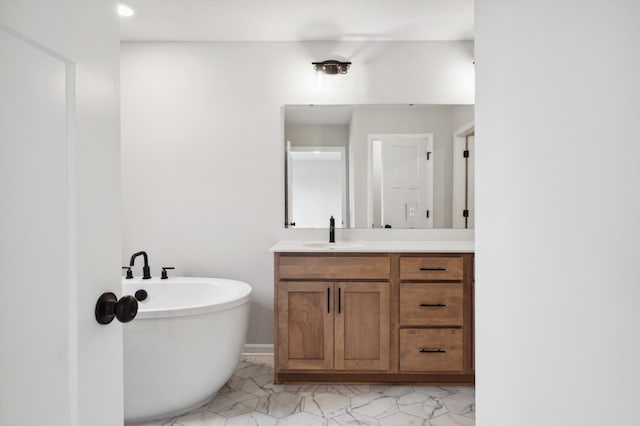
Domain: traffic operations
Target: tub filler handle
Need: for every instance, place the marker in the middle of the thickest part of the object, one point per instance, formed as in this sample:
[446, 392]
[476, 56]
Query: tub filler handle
[109, 307]
[164, 272]
[129, 272]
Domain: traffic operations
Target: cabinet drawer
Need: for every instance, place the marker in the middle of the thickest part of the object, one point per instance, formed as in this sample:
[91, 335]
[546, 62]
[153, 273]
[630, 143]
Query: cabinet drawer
[431, 304]
[431, 268]
[328, 267]
[435, 349]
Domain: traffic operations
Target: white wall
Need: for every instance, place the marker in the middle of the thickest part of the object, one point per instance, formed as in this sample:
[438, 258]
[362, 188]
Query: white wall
[462, 114]
[558, 323]
[202, 154]
[317, 134]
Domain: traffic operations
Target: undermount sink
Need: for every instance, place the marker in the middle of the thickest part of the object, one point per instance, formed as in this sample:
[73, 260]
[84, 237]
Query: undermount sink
[339, 245]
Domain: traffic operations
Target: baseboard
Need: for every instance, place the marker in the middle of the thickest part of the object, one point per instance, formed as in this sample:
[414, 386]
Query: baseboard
[258, 349]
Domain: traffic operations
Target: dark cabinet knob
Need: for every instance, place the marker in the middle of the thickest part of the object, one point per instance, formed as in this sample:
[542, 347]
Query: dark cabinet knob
[109, 307]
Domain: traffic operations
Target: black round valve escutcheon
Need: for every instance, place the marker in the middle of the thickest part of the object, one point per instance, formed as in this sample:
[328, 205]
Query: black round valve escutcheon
[109, 307]
[141, 295]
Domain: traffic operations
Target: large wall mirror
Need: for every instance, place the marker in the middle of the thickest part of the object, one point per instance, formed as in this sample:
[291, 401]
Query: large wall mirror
[379, 166]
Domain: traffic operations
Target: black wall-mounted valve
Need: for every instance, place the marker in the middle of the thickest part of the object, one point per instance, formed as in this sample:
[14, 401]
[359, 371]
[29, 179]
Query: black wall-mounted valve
[164, 272]
[129, 272]
[109, 307]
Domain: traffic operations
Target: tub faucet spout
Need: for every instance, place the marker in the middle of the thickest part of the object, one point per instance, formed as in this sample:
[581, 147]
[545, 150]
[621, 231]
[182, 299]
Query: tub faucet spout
[146, 271]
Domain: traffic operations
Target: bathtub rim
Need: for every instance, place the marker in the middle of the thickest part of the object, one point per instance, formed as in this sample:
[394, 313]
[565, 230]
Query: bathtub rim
[183, 311]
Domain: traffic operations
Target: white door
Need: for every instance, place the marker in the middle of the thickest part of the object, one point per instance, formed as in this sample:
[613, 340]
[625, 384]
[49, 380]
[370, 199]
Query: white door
[59, 213]
[407, 180]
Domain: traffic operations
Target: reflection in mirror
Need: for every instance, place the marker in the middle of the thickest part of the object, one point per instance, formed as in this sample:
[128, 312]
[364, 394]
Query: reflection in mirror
[401, 178]
[317, 185]
[379, 166]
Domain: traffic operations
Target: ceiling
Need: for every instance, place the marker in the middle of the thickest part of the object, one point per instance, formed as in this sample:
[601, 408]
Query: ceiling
[299, 20]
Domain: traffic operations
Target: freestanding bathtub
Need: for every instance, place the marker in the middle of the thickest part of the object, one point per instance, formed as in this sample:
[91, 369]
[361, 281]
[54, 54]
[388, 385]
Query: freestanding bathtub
[183, 345]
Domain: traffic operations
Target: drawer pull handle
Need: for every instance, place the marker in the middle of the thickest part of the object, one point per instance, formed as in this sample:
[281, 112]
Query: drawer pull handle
[432, 351]
[328, 300]
[433, 269]
[432, 305]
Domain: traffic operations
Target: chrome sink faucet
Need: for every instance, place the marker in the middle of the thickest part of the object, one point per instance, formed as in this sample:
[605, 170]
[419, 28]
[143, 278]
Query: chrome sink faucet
[332, 230]
[146, 271]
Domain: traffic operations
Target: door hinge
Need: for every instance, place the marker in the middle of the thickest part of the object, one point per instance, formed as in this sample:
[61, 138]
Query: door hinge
[465, 153]
[465, 213]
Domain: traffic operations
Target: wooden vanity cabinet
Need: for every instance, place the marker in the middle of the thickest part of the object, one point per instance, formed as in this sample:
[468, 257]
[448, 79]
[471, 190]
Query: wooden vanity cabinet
[326, 323]
[374, 318]
[333, 326]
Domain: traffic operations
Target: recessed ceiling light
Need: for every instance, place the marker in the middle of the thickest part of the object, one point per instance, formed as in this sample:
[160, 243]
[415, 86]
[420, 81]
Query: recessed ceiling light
[125, 10]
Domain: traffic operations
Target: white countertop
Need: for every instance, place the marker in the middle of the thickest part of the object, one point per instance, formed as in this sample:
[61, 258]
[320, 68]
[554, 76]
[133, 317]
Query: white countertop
[374, 247]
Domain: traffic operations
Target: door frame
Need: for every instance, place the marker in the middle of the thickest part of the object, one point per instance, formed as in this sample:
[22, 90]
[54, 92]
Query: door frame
[459, 173]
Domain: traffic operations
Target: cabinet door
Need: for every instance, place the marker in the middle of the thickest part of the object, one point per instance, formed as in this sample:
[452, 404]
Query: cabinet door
[305, 325]
[362, 326]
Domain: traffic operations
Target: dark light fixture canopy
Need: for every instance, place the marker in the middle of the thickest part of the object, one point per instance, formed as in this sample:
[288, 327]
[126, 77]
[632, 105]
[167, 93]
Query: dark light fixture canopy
[331, 66]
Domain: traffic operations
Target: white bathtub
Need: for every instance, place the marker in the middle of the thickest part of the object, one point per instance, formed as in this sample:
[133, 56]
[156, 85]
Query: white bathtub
[183, 345]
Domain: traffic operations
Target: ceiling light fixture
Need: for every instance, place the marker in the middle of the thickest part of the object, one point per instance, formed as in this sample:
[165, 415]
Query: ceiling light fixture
[125, 10]
[331, 67]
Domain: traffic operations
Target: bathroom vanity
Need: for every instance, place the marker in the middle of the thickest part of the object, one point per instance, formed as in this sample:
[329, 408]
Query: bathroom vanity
[374, 312]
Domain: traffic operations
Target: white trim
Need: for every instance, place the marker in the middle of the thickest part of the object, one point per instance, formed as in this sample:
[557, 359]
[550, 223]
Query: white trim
[258, 349]
[465, 129]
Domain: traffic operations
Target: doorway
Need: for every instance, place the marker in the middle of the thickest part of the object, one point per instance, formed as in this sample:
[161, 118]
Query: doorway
[401, 180]
[316, 185]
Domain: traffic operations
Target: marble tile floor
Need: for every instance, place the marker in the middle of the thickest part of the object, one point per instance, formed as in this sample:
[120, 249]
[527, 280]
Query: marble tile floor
[251, 398]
